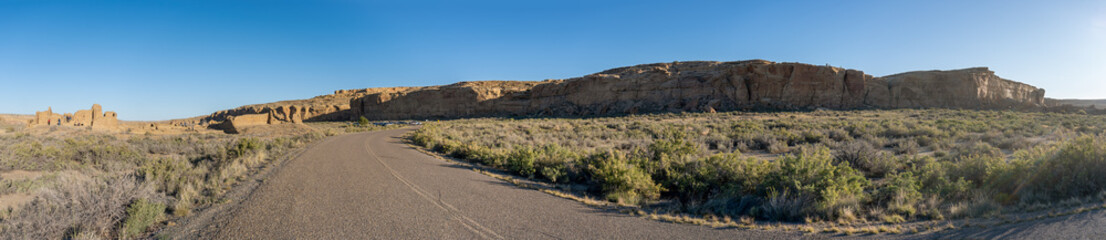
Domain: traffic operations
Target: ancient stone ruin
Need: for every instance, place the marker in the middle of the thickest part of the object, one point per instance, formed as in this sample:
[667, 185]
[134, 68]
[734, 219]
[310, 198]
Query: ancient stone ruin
[94, 118]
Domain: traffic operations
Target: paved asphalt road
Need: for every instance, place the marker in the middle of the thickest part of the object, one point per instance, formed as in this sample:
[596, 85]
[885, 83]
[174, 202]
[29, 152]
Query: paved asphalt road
[1088, 225]
[371, 185]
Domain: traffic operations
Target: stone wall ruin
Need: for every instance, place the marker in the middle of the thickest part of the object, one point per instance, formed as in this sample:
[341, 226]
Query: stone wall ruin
[93, 118]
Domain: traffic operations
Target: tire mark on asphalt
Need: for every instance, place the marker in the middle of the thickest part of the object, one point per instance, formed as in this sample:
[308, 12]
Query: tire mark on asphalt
[454, 213]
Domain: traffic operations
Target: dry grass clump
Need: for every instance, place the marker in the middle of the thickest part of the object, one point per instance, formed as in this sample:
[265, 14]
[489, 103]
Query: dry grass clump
[80, 205]
[105, 186]
[839, 166]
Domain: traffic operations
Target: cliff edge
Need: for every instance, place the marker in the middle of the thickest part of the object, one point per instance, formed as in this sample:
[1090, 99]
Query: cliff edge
[698, 86]
[703, 86]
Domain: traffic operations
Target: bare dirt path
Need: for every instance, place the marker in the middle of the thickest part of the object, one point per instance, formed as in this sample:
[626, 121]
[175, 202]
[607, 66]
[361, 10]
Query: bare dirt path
[371, 185]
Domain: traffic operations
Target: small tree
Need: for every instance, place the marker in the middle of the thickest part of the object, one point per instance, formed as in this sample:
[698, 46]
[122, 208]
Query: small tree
[363, 121]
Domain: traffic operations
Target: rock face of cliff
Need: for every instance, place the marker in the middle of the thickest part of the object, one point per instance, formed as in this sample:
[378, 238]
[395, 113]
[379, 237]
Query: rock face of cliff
[972, 88]
[234, 124]
[464, 99]
[659, 87]
[330, 107]
[1088, 103]
[701, 86]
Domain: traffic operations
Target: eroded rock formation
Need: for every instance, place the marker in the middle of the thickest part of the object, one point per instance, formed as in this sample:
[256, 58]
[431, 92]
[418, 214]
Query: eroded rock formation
[234, 124]
[321, 108]
[659, 87]
[462, 99]
[972, 88]
[702, 86]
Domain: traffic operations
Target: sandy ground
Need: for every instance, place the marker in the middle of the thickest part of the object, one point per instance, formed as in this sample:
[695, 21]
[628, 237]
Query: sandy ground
[15, 200]
[20, 175]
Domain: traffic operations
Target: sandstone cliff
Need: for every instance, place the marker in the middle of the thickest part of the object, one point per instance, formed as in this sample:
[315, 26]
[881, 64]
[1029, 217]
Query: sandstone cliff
[330, 107]
[660, 87]
[234, 124]
[703, 86]
[490, 98]
[973, 88]
[1089, 103]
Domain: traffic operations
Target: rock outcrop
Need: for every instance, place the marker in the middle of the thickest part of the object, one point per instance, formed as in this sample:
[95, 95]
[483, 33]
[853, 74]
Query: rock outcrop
[1089, 103]
[659, 87]
[234, 124]
[321, 108]
[94, 118]
[973, 88]
[332, 107]
[462, 99]
[702, 86]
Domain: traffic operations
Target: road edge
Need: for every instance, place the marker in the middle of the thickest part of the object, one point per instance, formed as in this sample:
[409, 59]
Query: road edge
[205, 223]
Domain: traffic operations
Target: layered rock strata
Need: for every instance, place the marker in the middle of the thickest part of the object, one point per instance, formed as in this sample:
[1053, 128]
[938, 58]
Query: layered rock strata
[702, 86]
[659, 87]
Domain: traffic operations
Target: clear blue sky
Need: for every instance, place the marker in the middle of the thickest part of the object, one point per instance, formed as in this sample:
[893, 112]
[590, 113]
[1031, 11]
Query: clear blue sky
[155, 60]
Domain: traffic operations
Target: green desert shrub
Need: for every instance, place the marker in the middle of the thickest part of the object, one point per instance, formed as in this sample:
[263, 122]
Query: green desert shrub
[140, 216]
[557, 173]
[673, 145]
[167, 174]
[906, 147]
[619, 180]
[737, 174]
[908, 163]
[245, 146]
[774, 146]
[1075, 168]
[554, 163]
[900, 194]
[726, 184]
[976, 149]
[814, 174]
[838, 135]
[862, 156]
[976, 169]
[487, 156]
[521, 161]
[424, 137]
[99, 151]
[935, 179]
